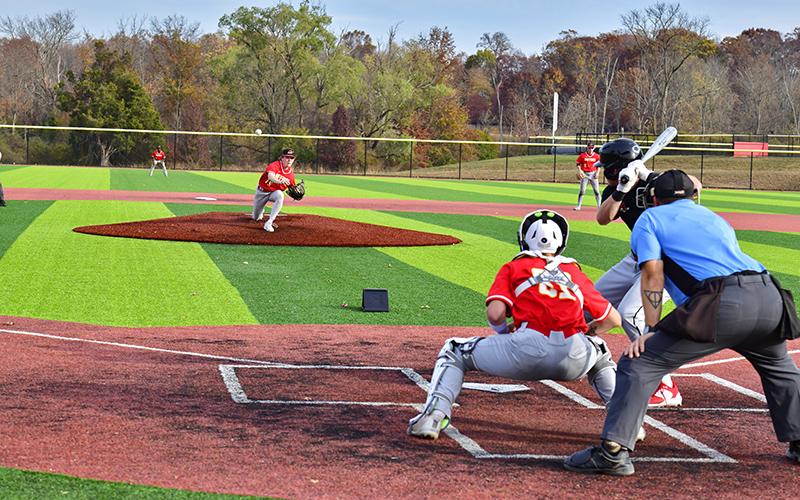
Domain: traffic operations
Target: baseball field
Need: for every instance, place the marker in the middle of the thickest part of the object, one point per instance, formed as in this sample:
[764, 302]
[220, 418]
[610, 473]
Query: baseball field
[144, 368]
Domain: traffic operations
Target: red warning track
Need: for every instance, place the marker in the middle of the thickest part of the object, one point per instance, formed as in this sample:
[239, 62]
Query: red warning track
[160, 406]
[753, 221]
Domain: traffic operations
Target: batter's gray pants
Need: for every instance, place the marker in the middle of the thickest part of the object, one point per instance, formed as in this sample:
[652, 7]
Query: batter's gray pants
[621, 286]
[260, 201]
[748, 316]
[522, 355]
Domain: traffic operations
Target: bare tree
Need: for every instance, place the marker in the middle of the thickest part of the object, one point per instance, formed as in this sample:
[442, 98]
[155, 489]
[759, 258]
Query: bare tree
[500, 46]
[666, 37]
[50, 36]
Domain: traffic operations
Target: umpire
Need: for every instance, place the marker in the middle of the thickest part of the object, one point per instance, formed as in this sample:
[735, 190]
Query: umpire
[724, 298]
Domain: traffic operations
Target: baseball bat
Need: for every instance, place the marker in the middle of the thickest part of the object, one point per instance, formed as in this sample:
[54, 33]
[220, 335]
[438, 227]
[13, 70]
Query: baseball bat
[660, 143]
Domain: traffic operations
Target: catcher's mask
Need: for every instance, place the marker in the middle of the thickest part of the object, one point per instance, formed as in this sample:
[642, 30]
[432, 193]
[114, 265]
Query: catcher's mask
[615, 155]
[543, 231]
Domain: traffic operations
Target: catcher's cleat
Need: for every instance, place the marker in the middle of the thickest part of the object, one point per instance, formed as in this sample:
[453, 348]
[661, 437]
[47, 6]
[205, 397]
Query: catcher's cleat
[269, 228]
[665, 396]
[428, 426]
[598, 460]
[793, 453]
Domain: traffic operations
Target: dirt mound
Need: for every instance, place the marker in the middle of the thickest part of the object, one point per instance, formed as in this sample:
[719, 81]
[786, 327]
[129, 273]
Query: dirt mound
[292, 230]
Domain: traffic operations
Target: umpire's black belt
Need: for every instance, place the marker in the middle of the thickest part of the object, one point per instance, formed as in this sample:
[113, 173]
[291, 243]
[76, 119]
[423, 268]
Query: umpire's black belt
[745, 279]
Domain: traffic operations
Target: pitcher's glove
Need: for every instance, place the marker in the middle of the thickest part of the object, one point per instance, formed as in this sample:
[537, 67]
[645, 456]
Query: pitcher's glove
[297, 191]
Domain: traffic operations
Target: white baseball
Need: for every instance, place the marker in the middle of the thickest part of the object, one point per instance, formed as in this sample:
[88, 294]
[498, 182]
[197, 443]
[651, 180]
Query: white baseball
[258, 131]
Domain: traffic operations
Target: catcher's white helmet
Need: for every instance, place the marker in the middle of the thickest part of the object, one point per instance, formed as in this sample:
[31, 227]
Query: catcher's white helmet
[543, 231]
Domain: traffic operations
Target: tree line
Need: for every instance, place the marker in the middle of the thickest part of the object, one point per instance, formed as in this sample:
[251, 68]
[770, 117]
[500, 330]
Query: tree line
[282, 69]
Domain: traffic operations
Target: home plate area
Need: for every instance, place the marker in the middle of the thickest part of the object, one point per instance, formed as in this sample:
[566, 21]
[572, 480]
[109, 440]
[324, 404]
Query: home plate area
[498, 420]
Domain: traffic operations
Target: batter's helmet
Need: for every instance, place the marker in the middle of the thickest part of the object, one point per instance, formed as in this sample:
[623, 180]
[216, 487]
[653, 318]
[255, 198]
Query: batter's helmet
[543, 231]
[615, 155]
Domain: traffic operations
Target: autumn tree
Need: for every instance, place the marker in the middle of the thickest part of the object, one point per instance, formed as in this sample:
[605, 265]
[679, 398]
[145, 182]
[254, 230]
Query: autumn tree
[108, 95]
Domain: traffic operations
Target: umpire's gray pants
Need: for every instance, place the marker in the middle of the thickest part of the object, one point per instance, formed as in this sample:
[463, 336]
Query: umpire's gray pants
[522, 355]
[260, 201]
[748, 317]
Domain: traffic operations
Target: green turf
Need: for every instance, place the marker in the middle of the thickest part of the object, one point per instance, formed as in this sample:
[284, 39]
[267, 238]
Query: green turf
[130, 179]
[58, 178]
[52, 272]
[311, 284]
[15, 219]
[25, 485]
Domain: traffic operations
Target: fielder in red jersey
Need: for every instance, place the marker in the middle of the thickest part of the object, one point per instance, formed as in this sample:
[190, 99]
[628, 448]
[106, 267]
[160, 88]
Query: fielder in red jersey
[587, 173]
[546, 295]
[158, 157]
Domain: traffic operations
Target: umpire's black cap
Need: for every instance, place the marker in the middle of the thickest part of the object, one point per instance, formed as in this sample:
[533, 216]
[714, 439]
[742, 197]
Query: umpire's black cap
[673, 184]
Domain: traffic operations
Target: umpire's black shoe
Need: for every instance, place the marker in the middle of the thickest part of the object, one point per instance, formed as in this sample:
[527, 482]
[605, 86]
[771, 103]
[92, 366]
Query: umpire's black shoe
[598, 460]
[793, 453]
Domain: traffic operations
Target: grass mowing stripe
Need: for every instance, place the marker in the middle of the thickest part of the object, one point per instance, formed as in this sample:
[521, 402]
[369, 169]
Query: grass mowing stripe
[27, 485]
[16, 217]
[52, 272]
[774, 258]
[129, 179]
[789, 241]
[59, 178]
[9, 168]
[286, 285]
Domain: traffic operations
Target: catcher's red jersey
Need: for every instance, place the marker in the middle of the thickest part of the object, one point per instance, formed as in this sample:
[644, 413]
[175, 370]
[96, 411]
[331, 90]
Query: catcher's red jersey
[548, 307]
[264, 182]
[586, 161]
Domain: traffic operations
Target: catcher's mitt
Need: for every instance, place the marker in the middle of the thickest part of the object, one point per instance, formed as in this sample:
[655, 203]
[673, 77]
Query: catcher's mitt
[297, 191]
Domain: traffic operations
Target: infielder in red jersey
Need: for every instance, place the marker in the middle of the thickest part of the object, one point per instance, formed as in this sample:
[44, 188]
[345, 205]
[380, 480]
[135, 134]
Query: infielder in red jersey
[158, 159]
[546, 295]
[278, 176]
[587, 173]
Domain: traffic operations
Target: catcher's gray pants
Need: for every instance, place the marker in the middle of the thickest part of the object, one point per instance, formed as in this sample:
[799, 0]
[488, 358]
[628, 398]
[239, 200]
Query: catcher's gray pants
[155, 164]
[260, 201]
[589, 177]
[621, 285]
[748, 316]
[522, 355]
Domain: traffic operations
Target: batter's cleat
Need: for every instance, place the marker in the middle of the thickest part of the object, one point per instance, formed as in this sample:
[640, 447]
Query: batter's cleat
[428, 426]
[577, 208]
[598, 460]
[269, 228]
[641, 435]
[666, 396]
[793, 453]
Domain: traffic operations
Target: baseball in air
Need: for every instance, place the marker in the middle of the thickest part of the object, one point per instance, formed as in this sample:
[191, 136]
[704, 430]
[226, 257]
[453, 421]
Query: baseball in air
[258, 131]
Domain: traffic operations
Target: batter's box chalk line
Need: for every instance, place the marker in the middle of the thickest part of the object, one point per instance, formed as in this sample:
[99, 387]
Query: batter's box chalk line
[710, 455]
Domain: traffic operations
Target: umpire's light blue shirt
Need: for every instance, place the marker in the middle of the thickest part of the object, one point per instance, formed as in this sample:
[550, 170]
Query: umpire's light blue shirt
[697, 239]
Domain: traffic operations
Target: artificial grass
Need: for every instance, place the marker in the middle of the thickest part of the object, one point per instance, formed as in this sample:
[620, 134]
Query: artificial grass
[182, 181]
[26, 485]
[52, 272]
[288, 285]
[15, 219]
[58, 178]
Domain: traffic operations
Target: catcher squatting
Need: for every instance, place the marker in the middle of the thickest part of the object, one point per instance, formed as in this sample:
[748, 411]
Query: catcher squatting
[277, 178]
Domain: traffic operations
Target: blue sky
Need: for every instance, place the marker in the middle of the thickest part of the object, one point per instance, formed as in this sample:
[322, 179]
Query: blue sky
[529, 24]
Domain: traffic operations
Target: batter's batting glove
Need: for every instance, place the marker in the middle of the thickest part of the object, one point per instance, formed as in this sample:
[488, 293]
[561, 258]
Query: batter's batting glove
[641, 169]
[627, 178]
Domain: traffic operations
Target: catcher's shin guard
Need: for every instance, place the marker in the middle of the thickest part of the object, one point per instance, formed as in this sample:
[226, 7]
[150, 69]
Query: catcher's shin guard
[448, 374]
[603, 375]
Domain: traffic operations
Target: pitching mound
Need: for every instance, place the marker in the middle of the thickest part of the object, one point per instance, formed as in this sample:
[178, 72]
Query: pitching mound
[292, 230]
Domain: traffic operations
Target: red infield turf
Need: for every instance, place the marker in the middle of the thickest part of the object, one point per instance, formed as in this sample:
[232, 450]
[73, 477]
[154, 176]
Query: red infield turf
[272, 410]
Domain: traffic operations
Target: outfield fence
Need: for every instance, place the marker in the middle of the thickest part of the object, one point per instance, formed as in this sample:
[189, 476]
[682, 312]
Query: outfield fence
[742, 161]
